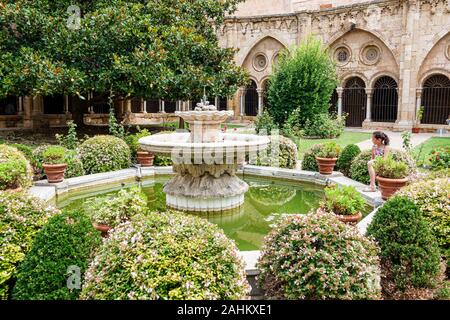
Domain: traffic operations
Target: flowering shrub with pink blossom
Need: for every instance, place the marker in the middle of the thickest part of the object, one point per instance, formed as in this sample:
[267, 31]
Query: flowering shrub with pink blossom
[433, 199]
[104, 153]
[166, 256]
[315, 256]
[21, 217]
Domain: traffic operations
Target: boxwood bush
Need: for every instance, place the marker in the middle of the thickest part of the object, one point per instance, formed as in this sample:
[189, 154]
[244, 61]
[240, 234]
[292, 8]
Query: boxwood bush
[283, 156]
[15, 170]
[410, 257]
[315, 256]
[104, 153]
[21, 217]
[345, 160]
[433, 199]
[360, 172]
[68, 239]
[309, 158]
[166, 256]
[325, 126]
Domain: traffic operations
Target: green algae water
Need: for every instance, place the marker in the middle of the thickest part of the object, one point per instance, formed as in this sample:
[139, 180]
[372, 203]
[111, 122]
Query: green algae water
[265, 202]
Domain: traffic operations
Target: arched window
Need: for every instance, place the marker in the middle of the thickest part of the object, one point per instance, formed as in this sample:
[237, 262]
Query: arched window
[436, 99]
[354, 101]
[385, 100]
[251, 100]
[54, 104]
[9, 105]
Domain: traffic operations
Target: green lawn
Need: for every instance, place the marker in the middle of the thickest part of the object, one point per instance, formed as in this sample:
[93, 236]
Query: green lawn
[345, 139]
[422, 151]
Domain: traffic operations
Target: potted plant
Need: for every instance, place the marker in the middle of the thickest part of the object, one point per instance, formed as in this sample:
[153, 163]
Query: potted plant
[345, 202]
[327, 157]
[145, 158]
[392, 175]
[54, 163]
[416, 124]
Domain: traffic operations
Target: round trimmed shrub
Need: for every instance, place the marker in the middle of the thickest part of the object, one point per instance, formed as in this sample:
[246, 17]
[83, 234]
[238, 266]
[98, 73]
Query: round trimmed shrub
[104, 153]
[315, 256]
[15, 170]
[325, 126]
[67, 240]
[166, 256]
[410, 257]
[21, 217]
[360, 172]
[433, 199]
[309, 158]
[345, 160]
[287, 153]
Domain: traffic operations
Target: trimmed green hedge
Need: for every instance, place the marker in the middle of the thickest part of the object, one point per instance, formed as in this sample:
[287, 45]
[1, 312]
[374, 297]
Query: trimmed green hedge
[15, 170]
[346, 158]
[104, 153]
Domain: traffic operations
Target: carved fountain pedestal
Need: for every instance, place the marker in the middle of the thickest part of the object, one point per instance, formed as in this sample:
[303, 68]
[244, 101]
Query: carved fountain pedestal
[205, 161]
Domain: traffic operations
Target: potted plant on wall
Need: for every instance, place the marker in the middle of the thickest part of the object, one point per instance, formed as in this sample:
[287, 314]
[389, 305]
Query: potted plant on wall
[345, 202]
[54, 164]
[392, 175]
[419, 115]
[327, 157]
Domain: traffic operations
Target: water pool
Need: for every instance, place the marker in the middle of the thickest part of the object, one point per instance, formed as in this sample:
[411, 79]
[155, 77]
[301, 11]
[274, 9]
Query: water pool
[265, 202]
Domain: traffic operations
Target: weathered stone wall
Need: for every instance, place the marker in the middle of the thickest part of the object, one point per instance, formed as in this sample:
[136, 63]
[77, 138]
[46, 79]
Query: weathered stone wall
[410, 40]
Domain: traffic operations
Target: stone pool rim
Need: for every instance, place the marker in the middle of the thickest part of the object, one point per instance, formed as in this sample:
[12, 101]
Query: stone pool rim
[48, 192]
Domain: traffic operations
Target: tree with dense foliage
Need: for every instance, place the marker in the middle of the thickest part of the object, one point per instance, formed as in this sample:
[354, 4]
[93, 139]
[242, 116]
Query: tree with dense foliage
[150, 48]
[304, 78]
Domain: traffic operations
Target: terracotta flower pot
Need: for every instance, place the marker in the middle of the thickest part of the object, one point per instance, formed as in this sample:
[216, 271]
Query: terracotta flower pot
[55, 172]
[145, 159]
[353, 219]
[390, 186]
[415, 130]
[103, 228]
[326, 165]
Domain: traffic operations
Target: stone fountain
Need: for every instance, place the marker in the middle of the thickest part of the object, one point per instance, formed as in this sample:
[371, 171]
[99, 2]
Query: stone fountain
[205, 161]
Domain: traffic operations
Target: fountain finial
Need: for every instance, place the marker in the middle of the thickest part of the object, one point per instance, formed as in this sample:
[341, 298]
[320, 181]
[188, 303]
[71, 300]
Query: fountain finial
[204, 104]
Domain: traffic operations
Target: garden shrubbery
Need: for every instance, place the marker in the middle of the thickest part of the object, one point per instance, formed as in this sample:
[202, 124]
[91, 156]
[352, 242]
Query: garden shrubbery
[360, 172]
[15, 170]
[282, 152]
[68, 239]
[265, 122]
[410, 257]
[440, 158]
[166, 256]
[104, 153]
[71, 158]
[315, 256]
[433, 199]
[21, 217]
[325, 126]
[305, 78]
[309, 158]
[113, 210]
[345, 160]
[132, 141]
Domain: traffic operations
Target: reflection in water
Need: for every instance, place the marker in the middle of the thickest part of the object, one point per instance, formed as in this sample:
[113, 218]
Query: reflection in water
[265, 202]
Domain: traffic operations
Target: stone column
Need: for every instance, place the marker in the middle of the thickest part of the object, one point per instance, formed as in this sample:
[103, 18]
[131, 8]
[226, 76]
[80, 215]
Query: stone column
[243, 91]
[418, 100]
[217, 102]
[369, 93]
[20, 111]
[163, 106]
[260, 100]
[27, 110]
[340, 91]
[66, 104]
[91, 107]
[143, 105]
[128, 106]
